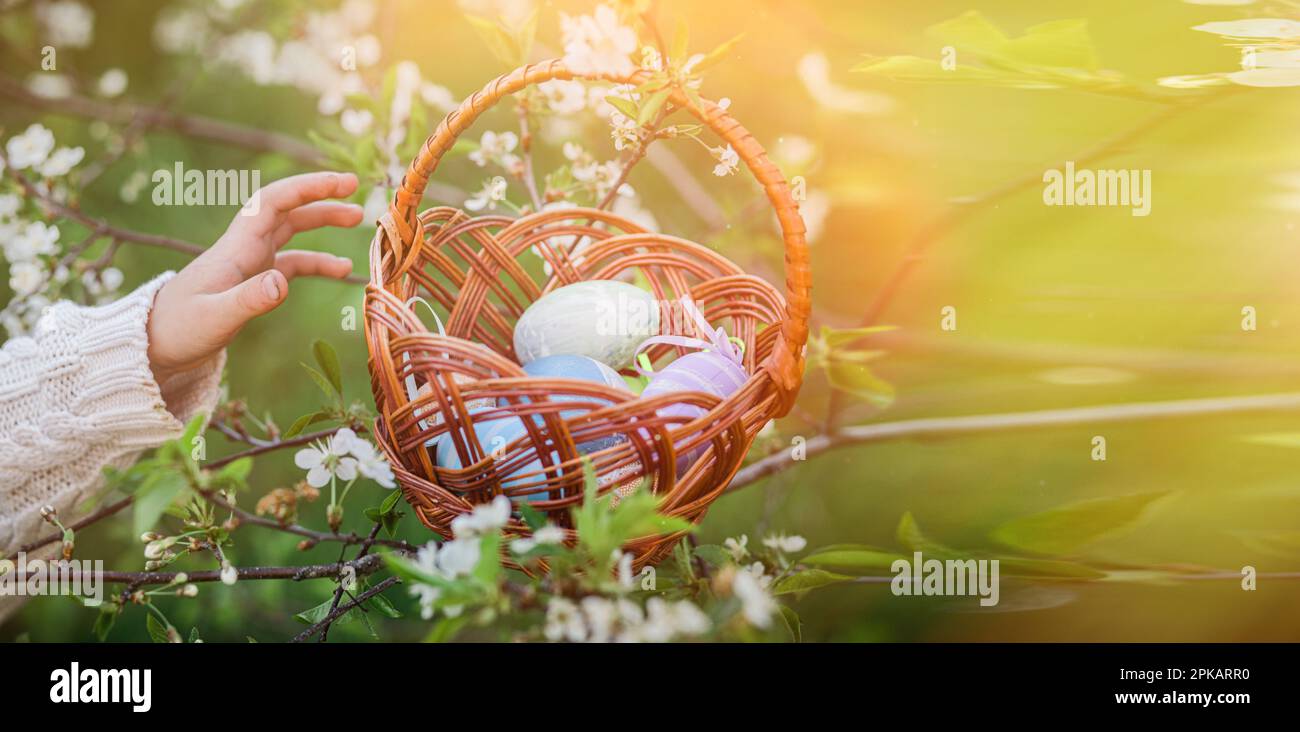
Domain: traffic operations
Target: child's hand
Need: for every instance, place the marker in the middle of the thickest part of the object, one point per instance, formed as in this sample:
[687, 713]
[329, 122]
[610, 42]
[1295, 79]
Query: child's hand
[243, 274]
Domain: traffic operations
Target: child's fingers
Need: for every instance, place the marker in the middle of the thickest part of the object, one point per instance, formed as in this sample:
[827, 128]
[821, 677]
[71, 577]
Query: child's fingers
[286, 194]
[325, 213]
[274, 200]
[299, 263]
[314, 216]
[254, 296]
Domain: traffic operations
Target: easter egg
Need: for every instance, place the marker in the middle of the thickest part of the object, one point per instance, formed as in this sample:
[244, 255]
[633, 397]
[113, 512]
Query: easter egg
[497, 434]
[493, 435]
[601, 319]
[706, 371]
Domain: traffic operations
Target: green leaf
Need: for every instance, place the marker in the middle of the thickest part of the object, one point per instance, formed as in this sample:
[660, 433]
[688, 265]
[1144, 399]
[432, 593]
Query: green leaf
[792, 623]
[105, 620]
[304, 422]
[622, 105]
[716, 55]
[446, 629]
[324, 384]
[488, 568]
[1064, 529]
[157, 631]
[533, 518]
[1046, 568]
[858, 381]
[713, 554]
[390, 502]
[852, 556]
[1059, 43]
[910, 536]
[153, 498]
[237, 471]
[681, 41]
[381, 603]
[808, 579]
[329, 364]
[652, 105]
[844, 336]
[502, 45]
[194, 635]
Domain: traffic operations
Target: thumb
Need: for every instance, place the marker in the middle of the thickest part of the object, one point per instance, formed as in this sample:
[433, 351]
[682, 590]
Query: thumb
[253, 297]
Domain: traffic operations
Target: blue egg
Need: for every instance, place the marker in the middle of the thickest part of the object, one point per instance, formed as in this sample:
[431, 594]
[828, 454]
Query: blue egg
[493, 435]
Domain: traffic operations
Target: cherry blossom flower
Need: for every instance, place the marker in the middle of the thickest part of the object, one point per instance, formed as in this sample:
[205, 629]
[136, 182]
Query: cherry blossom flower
[25, 277]
[356, 122]
[564, 97]
[728, 161]
[546, 535]
[66, 23]
[112, 83]
[485, 517]
[598, 43]
[49, 85]
[496, 148]
[61, 162]
[372, 464]
[783, 543]
[756, 602]
[738, 547]
[29, 149]
[35, 240]
[492, 193]
[327, 460]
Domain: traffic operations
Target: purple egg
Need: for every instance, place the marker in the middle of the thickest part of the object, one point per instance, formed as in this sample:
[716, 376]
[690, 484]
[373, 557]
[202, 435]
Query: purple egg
[706, 371]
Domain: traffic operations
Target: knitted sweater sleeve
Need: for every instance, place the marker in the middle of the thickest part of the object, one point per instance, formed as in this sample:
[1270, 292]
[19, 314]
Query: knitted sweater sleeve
[78, 396]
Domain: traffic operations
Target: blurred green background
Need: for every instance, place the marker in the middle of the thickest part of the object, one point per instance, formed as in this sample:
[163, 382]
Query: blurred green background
[1155, 300]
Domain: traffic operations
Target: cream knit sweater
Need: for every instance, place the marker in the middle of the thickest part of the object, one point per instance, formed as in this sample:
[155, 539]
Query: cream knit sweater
[78, 396]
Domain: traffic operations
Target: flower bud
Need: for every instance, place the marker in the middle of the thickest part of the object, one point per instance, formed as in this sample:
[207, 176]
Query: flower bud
[173, 635]
[180, 578]
[48, 513]
[149, 537]
[229, 575]
[190, 590]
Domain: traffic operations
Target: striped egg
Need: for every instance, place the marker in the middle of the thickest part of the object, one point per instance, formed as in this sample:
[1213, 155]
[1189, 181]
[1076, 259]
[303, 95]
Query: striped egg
[601, 319]
[706, 371]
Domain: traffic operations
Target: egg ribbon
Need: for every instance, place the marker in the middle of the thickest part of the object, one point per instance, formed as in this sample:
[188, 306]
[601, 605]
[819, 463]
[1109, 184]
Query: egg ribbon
[733, 349]
[411, 391]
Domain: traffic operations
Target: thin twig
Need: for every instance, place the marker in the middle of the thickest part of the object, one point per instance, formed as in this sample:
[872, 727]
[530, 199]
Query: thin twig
[99, 515]
[939, 427]
[647, 136]
[526, 147]
[338, 592]
[369, 565]
[340, 611]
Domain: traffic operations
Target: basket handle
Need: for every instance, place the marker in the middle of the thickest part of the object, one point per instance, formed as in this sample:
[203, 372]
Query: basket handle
[786, 362]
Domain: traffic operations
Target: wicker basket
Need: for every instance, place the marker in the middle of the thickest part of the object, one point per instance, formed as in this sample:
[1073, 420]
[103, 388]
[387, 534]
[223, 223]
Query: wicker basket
[471, 267]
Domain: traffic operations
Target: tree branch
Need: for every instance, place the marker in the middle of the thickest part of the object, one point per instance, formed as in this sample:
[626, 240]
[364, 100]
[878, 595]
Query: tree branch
[339, 611]
[202, 128]
[940, 427]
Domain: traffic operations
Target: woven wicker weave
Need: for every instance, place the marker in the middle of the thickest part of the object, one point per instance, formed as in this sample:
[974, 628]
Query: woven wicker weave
[472, 268]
